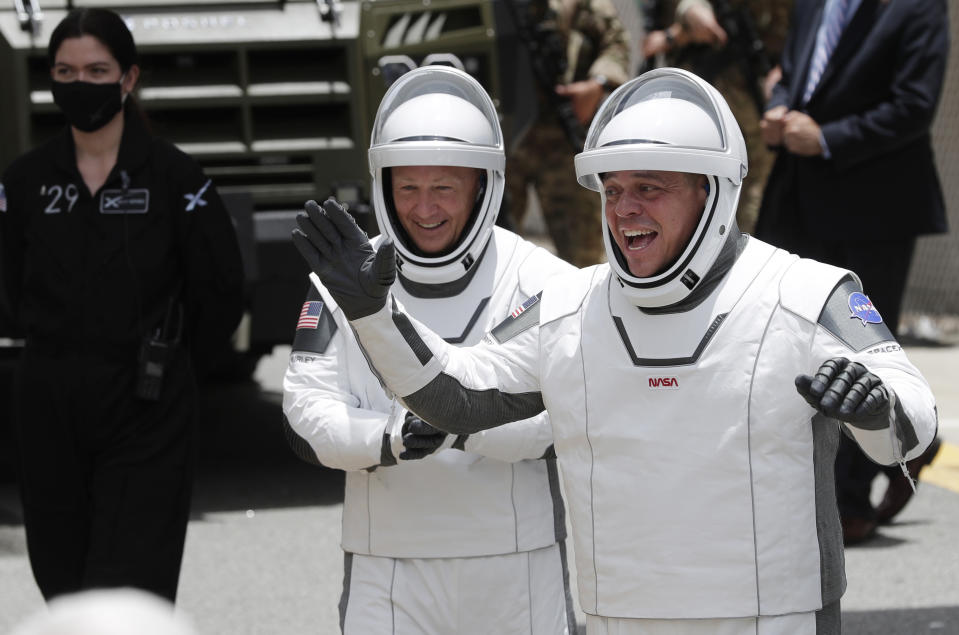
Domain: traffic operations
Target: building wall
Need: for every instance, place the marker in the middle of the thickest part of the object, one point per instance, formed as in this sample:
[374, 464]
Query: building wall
[933, 286]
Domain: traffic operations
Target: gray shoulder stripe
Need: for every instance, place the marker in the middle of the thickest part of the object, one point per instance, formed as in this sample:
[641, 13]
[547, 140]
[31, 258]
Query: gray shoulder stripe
[451, 407]
[852, 330]
[315, 327]
[405, 327]
[522, 319]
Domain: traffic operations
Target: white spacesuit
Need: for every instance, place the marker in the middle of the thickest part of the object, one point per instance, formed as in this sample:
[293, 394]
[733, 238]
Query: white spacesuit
[699, 483]
[481, 506]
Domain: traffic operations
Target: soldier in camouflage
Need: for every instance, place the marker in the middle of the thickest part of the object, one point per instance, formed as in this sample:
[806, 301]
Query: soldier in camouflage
[597, 57]
[687, 34]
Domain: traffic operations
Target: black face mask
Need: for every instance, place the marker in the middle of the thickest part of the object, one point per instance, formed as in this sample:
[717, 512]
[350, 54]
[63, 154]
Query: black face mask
[88, 106]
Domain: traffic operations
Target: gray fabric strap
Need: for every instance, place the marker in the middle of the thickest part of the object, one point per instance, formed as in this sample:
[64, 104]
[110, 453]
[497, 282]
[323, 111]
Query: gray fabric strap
[412, 338]
[559, 508]
[386, 451]
[905, 430]
[444, 401]
[829, 619]
[345, 596]
[570, 612]
[298, 444]
[832, 566]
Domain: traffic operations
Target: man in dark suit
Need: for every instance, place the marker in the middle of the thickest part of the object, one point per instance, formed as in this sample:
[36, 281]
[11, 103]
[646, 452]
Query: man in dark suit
[855, 181]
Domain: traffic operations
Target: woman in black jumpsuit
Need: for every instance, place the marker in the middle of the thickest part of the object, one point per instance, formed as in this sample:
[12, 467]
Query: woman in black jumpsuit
[110, 238]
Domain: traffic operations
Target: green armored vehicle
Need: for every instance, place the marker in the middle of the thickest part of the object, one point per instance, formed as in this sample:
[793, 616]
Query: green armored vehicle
[275, 100]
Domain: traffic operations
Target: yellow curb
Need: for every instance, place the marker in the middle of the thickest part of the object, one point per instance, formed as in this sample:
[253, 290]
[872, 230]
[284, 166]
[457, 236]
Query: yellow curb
[944, 470]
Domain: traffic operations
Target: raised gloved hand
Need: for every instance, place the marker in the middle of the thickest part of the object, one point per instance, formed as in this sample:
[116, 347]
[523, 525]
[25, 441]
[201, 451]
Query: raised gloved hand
[420, 439]
[338, 251]
[847, 391]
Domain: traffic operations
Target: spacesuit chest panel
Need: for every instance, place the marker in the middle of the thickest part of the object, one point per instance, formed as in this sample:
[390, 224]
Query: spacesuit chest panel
[678, 338]
[463, 319]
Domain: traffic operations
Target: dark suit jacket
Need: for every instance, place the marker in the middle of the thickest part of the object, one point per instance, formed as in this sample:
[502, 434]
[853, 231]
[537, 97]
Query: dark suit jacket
[875, 103]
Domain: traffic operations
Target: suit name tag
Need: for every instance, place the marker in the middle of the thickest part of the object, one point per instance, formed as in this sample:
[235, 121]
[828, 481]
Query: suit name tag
[136, 201]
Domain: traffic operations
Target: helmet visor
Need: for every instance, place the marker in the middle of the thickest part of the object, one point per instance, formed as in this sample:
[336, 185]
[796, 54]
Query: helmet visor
[438, 116]
[667, 122]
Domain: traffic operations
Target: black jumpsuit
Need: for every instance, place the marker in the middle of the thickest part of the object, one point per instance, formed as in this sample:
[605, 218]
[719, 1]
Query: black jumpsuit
[105, 476]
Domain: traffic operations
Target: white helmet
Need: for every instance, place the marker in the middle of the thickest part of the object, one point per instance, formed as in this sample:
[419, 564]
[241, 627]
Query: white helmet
[671, 120]
[437, 115]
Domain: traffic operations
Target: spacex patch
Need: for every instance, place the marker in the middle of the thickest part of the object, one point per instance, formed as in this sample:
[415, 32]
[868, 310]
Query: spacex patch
[136, 201]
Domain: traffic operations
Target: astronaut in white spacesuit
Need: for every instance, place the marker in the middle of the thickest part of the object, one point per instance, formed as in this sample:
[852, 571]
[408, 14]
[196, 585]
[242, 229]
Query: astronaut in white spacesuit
[699, 483]
[442, 533]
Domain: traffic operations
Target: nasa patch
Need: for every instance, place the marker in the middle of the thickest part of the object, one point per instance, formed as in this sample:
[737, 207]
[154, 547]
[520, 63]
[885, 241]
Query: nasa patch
[862, 309]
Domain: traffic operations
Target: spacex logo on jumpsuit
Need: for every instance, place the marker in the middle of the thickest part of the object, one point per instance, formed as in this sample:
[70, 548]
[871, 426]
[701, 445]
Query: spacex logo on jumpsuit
[656, 383]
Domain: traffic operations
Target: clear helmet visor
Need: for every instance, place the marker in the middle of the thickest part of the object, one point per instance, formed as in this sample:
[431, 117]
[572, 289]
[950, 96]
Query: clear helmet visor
[438, 116]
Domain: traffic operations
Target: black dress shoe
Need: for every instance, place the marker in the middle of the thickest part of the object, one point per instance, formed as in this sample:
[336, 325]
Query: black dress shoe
[899, 491]
[856, 529]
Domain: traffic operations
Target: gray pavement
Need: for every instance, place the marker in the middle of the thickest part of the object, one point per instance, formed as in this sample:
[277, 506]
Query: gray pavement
[262, 554]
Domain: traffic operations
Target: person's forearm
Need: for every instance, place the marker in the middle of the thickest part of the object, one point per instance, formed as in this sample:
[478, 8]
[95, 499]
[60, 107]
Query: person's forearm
[458, 390]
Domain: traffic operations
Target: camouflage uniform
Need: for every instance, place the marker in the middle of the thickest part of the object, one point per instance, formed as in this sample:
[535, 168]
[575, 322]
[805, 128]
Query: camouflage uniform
[771, 18]
[596, 44]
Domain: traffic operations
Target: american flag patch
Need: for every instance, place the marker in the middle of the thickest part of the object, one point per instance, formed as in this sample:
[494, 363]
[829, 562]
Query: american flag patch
[310, 315]
[529, 302]
[3, 199]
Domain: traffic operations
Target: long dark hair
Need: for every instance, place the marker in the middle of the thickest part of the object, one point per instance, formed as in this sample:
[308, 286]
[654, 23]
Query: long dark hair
[104, 25]
[107, 27]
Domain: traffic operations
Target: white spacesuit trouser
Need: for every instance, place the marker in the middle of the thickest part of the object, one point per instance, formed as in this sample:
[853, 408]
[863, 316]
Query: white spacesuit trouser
[511, 594]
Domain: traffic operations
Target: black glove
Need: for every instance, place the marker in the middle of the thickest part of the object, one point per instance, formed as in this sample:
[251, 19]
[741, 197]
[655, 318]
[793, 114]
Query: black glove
[419, 438]
[846, 391]
[338, 251]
